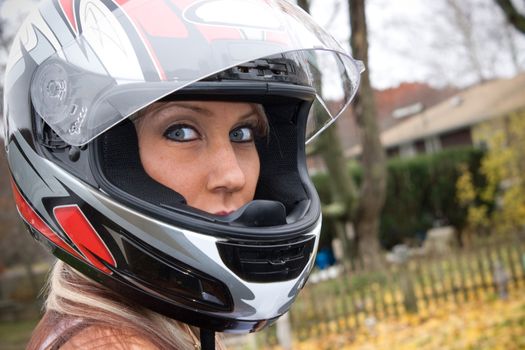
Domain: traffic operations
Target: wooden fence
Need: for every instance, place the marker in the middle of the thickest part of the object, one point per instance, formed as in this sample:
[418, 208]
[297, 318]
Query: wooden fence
[488, 270]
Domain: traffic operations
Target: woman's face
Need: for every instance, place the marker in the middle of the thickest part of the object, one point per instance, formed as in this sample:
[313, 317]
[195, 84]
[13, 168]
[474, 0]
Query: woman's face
[203, 150]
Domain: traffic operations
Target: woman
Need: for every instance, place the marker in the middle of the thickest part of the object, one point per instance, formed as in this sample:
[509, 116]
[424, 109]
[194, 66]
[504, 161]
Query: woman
[171, 135]
[158, 149]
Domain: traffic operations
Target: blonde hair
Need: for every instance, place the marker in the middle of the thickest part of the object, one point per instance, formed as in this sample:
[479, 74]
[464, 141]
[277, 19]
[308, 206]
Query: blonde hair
[72, 295]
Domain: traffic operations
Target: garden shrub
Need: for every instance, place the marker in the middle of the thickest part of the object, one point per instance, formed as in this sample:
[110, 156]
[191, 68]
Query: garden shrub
[420, 192]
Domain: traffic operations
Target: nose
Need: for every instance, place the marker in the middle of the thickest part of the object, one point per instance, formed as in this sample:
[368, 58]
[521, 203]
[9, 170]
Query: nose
[225, 173]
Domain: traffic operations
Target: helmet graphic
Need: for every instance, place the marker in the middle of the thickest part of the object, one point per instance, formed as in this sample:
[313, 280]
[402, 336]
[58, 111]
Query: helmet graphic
[80, 69]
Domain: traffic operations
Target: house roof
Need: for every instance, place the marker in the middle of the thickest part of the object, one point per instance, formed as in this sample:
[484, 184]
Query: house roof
[469, 107]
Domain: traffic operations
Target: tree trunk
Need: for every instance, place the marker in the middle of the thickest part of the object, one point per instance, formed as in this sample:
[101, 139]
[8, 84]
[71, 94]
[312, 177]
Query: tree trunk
[329, 147]
[372, 192]
[342, 185]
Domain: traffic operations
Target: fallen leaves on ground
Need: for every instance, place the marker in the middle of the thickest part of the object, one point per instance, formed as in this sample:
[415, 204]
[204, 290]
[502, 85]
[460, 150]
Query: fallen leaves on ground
[490, 324]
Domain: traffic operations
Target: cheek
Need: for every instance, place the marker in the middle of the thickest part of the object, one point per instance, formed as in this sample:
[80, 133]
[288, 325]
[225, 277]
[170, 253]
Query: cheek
[250, 164]
[164, 163]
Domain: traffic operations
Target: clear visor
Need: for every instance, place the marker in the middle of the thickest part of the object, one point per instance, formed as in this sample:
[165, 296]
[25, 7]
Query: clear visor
[141, 51]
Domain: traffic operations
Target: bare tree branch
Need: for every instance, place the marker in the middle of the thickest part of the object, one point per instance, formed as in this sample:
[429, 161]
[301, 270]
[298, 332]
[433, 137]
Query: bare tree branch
[333, 15]
[464, 23]
[513, 16]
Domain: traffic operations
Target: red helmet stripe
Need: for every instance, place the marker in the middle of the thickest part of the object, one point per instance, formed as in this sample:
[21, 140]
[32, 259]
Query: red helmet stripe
[82, 233]
[145, 21]
[67, 8]
[159, 21]
[32, 218]
[212, 33]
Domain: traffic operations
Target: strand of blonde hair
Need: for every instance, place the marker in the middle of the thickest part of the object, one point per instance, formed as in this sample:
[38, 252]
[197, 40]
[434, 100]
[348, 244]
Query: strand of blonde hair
[71, 293]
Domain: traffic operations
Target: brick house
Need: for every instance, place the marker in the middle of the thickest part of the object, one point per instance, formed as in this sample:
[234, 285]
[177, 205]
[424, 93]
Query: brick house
[451, 122]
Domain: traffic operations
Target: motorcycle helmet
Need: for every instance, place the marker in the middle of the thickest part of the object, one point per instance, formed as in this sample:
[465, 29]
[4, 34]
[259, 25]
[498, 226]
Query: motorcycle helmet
[79, 70]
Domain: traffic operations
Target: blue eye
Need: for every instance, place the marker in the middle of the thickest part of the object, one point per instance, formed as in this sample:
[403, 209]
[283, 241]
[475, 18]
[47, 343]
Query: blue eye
[242, 134]
[181, 133]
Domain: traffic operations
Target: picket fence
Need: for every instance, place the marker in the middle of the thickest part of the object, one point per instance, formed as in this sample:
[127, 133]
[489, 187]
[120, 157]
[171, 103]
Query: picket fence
[356, 296]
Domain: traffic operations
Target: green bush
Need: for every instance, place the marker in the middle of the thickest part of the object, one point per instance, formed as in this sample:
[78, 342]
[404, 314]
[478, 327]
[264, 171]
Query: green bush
[420, 191]
[321, 181]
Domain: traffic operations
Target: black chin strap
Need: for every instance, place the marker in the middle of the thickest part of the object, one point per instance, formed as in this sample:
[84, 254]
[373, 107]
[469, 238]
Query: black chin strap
[207, 339]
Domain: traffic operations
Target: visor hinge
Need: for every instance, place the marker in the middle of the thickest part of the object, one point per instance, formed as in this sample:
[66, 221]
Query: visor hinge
[51, 140]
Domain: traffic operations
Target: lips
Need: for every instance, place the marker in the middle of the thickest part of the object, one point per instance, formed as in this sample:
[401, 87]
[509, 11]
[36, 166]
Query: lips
[223, 213]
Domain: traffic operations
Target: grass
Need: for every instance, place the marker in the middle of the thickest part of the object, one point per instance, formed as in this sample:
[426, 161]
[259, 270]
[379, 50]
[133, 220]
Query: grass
[14, 335]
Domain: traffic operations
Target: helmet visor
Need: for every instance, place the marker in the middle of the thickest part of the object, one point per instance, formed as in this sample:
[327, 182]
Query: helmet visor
[125, 57]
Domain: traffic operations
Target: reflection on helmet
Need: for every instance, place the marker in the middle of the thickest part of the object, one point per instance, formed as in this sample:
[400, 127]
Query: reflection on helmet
[75, 76]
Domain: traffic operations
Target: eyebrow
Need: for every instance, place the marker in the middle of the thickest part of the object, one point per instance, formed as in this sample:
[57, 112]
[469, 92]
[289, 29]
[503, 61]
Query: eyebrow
[204, 111]
[190, 106]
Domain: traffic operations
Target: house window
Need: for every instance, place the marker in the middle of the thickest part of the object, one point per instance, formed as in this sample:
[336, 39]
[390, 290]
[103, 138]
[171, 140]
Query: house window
[432, 144]
[407, 150]
[456, 138]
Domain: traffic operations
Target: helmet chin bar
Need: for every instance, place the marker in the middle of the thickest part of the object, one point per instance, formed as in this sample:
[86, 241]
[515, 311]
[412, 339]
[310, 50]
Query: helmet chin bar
[259, 213]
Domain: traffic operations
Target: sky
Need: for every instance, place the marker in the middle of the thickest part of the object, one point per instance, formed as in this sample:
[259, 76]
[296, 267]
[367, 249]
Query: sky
[414, 40]
[13, 9]
[409, 40]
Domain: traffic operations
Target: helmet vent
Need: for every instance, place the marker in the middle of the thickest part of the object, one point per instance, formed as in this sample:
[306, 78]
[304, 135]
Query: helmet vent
[176, 280]
[268, 262]
[275, 69]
